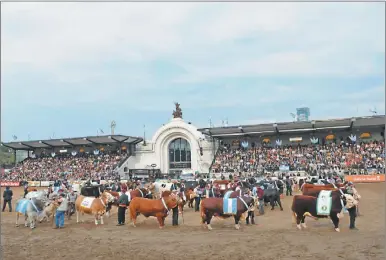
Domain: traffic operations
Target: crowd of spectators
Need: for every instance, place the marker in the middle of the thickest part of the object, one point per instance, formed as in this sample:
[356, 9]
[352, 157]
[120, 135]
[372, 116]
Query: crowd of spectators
[350, 158]
[79, 167]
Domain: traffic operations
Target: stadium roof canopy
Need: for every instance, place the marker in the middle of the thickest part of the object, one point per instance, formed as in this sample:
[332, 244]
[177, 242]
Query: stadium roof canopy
[288, 127]
[75, 141]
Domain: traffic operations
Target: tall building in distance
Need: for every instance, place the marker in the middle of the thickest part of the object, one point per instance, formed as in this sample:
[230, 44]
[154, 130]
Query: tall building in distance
[303, 113]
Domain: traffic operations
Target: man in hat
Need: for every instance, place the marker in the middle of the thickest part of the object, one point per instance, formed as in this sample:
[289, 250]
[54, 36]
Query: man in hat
[59, 215]
[25, 188]
[7, 198]
[174, 188]
[258, 192]
[72, 196]
[123, 203]
[288, 184]
[353, 210]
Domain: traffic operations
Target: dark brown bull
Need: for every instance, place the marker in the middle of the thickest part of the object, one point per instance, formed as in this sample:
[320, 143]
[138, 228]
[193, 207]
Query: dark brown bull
[214, 207]
[312, 187]
[303, 206]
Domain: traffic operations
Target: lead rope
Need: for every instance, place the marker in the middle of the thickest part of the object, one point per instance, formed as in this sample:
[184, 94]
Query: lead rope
[164, 204]
[341, 192]
[243, 201]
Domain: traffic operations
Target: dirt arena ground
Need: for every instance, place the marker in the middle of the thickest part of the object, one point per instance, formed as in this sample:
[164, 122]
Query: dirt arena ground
[276, 237]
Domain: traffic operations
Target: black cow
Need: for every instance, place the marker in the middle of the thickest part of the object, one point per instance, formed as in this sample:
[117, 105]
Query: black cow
[303, 205]
[90, 191]
[271, 195]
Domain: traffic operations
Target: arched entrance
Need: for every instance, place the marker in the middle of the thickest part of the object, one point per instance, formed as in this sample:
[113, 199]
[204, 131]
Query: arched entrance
[179, 156]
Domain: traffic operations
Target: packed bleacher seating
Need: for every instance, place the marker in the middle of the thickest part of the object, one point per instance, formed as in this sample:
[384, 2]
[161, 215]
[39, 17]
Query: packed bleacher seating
[347, 157]
[83, 166]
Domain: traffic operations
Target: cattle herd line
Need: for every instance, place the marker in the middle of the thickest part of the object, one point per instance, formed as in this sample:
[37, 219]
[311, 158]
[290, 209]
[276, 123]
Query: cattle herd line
[220, 198]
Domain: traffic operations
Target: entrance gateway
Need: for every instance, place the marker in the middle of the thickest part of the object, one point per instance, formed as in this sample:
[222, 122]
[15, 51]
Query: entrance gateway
[179, 157]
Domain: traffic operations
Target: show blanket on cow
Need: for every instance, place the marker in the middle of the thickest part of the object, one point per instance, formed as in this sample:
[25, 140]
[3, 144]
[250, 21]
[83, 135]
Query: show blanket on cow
[87, 202]
[324, 203]
[229, 205]
[22, 206]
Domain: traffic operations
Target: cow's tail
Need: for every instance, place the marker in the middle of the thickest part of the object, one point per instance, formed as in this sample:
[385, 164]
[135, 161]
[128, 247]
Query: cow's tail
[294, 217]
[202, 213]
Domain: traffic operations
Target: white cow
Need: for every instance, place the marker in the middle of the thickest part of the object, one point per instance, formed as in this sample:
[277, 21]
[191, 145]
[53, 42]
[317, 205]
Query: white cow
[161, 187]
[36, 194]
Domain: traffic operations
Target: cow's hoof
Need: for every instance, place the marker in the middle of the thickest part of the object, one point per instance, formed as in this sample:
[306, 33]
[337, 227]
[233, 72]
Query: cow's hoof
[304, 225]
[17, 225]
[299, 227]
[337, 229]
[281, 209]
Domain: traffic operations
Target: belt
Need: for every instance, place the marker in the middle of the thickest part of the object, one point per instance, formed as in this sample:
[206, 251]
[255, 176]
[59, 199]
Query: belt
[122, 205]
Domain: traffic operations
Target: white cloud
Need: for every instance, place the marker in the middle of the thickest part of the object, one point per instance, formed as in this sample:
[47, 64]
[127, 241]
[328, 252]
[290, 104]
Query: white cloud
[54, 33]
[293, 39]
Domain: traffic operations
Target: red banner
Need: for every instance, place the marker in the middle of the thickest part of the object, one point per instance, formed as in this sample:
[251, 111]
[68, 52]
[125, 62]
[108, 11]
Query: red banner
[9, 183]
[365, 178]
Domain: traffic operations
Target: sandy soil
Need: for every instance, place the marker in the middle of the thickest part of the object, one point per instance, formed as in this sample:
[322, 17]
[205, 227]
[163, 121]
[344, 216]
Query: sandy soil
[276, 237]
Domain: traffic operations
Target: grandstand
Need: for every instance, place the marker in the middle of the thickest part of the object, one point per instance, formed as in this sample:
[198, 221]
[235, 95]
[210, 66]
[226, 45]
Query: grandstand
[95, 157]
[340, 144]
[301, 132]
[82, 144]
[177, 147]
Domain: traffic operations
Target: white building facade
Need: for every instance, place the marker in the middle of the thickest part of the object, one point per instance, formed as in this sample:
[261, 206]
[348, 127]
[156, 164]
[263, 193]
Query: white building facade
[174, 148]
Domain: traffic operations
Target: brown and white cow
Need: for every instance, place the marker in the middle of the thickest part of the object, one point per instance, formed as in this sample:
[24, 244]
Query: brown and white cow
[93, 206]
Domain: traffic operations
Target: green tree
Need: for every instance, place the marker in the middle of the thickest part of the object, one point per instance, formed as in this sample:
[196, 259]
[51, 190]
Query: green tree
[7, 157]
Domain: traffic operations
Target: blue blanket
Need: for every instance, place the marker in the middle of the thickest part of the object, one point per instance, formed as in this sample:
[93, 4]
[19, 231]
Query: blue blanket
[229, 205]
[22, 206]
[227, 194]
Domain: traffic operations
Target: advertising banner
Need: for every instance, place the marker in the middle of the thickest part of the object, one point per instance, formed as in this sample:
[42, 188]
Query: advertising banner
[44, 183]
[9, 183]
[365, 178]
[34, 183]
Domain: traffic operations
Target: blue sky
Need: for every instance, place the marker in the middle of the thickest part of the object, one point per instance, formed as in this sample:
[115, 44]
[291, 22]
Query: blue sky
[71, 68]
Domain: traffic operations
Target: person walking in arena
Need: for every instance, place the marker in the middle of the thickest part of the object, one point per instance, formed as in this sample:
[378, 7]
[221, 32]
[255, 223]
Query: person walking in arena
[251, 211]
[258, 190]
[353, 210]
[60, 211]
[123, 203]
[288, 184]
[7, 198]
[72, 196]
[199, 190]
[174, 188]
[25, 188]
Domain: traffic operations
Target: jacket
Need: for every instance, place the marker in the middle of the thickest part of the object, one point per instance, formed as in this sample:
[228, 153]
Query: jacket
[7, 194]
[260, 193]
[63, 205]
[123, 200]
[173, 187]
